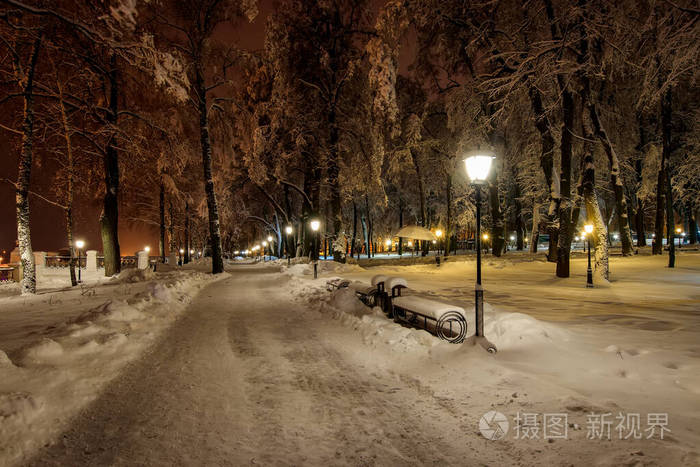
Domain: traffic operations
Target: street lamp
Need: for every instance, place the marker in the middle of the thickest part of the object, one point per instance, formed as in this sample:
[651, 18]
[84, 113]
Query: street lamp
[288, 231]
[478, 166]
[588, 230]
[438, 234]
[315, 226]
[79, 245]
[678, 235]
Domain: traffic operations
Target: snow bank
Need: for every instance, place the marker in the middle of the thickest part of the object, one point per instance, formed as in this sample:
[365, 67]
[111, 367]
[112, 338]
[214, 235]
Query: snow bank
[45, 382]
[324, 267]
[512, 330]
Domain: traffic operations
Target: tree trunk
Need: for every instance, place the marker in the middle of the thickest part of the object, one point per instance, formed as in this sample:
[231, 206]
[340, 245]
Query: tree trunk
[69, 187]
[187, 232]
[365, 237]
[28, 284]
[448, 226]
[334, 185]
[354, 228]
[109, 219]
[657, 244]
[600, 230]
[615, 181]
[370, 230]
[498, 225]
[692, 225]
[666, 138]
[400, 225]
[535, 234]
[565, 221]
[217, 260]
[161, 208]
[544, 127]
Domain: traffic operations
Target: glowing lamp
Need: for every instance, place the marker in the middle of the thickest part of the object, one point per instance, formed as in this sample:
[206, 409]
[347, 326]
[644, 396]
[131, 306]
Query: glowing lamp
[486, 236]
[478, 166]
[588, 228]
[269, 238]
[288, 229]
[147, 249]
[315, 225]
[264, 243]
[80, 244]
[438, 233]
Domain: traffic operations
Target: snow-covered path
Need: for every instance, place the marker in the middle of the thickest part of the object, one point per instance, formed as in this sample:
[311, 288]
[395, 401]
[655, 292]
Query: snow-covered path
[242, 381]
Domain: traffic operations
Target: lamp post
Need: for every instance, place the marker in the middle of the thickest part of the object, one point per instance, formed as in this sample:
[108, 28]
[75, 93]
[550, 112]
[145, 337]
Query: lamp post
[269, 242]
[315, 226]
[264, 244]
[79, 244]
[478, 166]
[288, 231]
[588, 230]
[438, 234]
[678, 235]
[387, 243]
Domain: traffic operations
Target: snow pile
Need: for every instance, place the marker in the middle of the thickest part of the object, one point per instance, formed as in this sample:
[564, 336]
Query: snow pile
[324, 267]
[371, 323]
[50, 378]
[513, 330]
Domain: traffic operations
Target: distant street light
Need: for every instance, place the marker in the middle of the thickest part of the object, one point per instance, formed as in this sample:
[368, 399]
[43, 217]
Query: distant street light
[438, 234]
[288, 230]
[478, 166]
[678, 235]
[387, 242]
[588, 230]
[147, 249]
[79, 244]
[315, 226]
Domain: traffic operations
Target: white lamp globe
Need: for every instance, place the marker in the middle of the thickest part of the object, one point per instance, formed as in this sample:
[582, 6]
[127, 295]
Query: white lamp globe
[80, 244]
[269, 238]
[478, 165]
[315, 225]
[147, 249]
[264, 243]
[288, 229]
[588, 228]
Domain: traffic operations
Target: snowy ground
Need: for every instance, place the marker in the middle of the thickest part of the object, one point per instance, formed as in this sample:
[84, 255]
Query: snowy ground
[266, 367]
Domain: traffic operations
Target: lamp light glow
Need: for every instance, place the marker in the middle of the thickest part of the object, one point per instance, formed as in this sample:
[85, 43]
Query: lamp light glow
[387, 242]
[478, 166]
[182, 250]
[147, 249]
[264, 243]
[80, 244]
[269, 238]
[438, 233]
[486, 236]
[288, 229]
[315, 225]
[588, 228]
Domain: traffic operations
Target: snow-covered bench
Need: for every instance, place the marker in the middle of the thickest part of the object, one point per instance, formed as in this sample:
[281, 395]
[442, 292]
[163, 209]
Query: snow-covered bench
[445, 321]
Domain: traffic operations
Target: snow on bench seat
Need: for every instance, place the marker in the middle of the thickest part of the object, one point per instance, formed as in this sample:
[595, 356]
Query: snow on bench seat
[392, 282]
[360, 287]
[425, 306]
